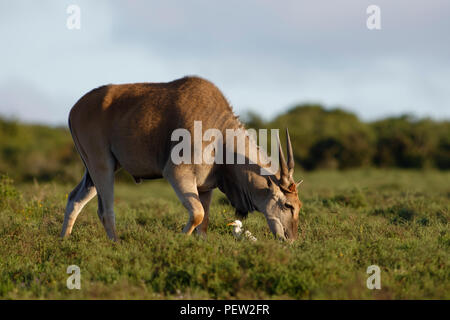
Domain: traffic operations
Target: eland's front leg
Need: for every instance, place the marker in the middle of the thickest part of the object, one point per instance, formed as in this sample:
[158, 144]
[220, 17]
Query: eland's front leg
[205, 198]
[185, 187]
[192, 203]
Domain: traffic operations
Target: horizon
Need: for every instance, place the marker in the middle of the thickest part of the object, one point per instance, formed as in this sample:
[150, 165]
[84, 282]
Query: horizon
[244, 117]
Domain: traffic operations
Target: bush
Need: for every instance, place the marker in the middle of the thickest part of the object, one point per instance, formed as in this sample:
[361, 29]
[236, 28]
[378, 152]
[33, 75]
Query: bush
[405, 142]
[442, 153]
[326, 138]
[30, 152]
[336, 139]
[321, 139]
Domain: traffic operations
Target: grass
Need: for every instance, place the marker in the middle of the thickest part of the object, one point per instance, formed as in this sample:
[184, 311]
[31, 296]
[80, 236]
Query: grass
[398, 220]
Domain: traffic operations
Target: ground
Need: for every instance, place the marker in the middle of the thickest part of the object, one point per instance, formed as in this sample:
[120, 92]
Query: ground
[397, 220]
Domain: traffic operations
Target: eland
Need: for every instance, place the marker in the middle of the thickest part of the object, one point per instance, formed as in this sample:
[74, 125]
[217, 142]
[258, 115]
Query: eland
[130, 126]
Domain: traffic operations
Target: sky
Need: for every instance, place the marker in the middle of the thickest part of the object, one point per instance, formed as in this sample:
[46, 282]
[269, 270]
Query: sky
[265, 56]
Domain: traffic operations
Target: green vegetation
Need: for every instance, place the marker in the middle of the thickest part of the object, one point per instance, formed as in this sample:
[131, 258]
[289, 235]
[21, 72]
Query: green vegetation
[322, 139]
[39, 152]
[336, 139]
[351, 219]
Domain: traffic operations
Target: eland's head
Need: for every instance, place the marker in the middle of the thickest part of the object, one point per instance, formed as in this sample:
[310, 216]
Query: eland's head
[281, 204]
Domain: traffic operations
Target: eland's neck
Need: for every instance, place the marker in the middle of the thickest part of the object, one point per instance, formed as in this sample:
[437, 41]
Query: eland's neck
[243, 183]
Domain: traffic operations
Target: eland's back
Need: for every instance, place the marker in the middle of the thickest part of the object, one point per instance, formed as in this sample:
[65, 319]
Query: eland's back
[135, 121]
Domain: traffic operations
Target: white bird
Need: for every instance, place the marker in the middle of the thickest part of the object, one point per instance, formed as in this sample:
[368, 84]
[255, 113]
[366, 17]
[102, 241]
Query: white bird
[238, 231]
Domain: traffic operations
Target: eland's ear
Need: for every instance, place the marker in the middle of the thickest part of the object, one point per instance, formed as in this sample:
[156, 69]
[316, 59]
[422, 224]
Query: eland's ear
[299, 183]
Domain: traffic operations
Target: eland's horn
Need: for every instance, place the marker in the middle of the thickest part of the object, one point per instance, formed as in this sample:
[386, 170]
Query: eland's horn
[290, 155]
[284, 171]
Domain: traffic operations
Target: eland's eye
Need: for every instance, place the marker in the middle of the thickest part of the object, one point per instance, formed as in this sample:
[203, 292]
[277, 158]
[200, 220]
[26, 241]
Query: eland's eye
[289, 205]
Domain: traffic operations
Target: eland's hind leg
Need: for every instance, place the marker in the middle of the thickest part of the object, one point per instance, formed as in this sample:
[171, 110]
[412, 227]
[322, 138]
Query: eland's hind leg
[77, 199]
[103, 169]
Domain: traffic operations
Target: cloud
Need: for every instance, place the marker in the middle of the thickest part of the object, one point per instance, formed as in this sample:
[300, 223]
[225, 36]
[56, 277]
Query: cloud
[22, 100]
[264, 55]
